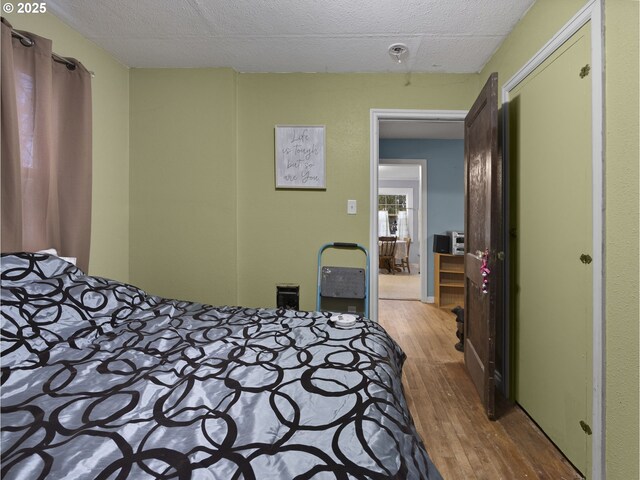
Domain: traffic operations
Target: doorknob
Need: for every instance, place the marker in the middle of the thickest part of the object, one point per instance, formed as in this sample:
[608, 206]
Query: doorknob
[586, 259]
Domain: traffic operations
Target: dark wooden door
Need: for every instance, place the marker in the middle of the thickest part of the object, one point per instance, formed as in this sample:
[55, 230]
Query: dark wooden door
[483, 241]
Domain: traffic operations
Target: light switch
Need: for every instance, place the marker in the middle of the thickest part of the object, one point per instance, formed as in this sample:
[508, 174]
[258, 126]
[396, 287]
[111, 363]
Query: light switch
[352, 207]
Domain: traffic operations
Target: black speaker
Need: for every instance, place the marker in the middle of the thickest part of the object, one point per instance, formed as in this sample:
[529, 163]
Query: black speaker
[441, 244]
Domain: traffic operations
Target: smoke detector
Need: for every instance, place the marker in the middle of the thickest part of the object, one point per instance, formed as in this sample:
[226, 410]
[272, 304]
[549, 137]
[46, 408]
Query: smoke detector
[398, 51]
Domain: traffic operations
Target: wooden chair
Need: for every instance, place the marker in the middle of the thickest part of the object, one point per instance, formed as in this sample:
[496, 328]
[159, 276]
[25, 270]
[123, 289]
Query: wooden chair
[386, 253]
[404, 261]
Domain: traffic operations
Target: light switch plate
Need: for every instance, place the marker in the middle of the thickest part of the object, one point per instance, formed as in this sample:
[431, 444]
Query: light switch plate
[352, 207]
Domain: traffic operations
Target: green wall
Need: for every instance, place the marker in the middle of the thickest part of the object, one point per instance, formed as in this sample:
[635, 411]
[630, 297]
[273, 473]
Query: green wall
[621, 202]
[110, 94]
[537, 27]
[621, 237]
[207, 223]
[183, 183]
[280, 231]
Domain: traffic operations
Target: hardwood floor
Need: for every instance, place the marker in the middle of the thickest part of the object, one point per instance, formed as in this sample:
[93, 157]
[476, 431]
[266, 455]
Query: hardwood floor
[399, 286]
[447, 411]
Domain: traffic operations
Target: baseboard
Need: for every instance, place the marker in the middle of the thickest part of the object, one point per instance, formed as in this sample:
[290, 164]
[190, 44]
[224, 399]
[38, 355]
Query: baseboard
[431, 300]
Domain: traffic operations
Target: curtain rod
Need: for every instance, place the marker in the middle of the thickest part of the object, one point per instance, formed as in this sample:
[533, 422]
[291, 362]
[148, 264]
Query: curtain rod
[29, 42]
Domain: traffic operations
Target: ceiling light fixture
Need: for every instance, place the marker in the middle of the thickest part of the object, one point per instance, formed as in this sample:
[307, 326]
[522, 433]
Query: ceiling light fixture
[398, 51]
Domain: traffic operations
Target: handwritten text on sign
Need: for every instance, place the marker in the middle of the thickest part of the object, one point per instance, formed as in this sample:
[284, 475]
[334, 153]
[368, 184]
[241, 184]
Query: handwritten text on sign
[300, 161]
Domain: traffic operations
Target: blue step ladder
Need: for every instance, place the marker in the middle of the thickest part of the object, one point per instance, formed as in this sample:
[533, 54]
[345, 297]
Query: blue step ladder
[343, 289]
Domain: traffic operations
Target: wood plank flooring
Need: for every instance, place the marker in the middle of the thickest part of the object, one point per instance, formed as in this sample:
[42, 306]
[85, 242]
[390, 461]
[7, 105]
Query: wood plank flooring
[447, 411]
[399, 286]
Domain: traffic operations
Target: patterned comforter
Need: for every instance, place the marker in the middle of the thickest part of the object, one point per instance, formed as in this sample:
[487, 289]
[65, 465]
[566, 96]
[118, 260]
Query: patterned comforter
[101, 380]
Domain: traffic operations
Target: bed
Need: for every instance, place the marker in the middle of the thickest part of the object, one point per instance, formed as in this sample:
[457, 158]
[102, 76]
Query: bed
[102, 380]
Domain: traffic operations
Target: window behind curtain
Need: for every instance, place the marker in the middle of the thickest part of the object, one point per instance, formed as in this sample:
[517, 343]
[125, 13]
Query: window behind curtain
[46, 150]
[394, 204]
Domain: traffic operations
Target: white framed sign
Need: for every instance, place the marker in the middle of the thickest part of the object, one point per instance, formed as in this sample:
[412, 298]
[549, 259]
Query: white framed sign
[300, 159]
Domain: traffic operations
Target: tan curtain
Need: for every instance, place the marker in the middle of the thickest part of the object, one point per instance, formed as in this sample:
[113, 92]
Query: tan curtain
[46, 150]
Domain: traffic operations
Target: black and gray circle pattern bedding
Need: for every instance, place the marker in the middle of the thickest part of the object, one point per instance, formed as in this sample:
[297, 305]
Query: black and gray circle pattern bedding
[101, 380]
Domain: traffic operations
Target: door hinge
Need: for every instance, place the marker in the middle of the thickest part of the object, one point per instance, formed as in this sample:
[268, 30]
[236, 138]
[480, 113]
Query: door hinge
[586, 259]
[584, 71]
[585, 427]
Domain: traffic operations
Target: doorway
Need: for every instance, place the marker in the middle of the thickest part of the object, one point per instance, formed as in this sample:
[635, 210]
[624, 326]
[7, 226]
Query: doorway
[440, 121]
[401, 213]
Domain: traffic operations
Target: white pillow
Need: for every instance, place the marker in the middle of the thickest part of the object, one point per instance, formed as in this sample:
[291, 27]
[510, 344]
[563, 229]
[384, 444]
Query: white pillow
[53, 251]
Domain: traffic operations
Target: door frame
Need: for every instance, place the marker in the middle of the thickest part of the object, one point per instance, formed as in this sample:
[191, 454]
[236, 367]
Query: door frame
[591, 12]
[422, 210]
[377, 114]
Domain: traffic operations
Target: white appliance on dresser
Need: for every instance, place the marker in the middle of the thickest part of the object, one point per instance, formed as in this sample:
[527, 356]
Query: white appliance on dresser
[457, 242]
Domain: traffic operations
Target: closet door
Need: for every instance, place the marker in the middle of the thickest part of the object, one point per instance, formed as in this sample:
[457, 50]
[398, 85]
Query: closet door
[550, 150]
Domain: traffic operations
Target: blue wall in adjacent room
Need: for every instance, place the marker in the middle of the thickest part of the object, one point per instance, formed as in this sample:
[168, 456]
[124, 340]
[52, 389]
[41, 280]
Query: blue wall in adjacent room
[445, 185]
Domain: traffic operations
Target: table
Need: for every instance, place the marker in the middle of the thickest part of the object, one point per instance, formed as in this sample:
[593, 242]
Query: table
[400, 253]
[401, 249]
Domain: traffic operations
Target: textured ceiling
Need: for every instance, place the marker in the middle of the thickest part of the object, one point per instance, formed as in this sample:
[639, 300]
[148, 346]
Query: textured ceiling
[456, 36]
